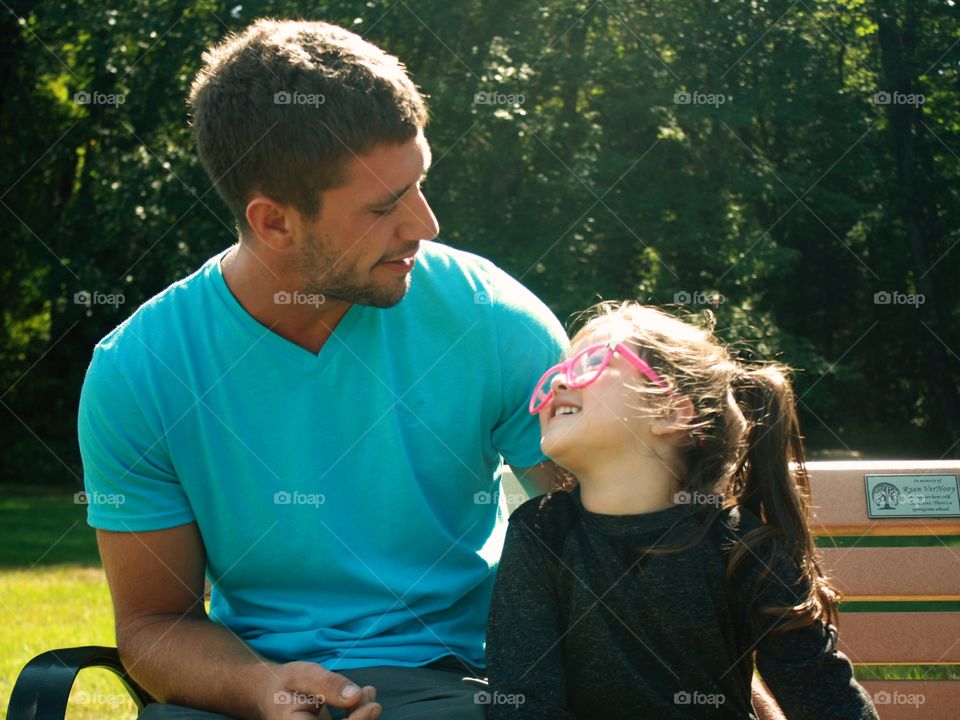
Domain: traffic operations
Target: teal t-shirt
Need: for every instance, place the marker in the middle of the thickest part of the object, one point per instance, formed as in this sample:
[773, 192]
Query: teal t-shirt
[347, 500]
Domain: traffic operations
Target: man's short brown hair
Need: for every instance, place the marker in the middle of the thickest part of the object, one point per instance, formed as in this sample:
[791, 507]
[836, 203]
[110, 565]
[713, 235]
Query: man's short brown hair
[281, 108]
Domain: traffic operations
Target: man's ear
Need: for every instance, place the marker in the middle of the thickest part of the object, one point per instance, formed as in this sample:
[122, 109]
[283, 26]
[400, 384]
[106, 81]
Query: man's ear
[677, 415]
[270, 221]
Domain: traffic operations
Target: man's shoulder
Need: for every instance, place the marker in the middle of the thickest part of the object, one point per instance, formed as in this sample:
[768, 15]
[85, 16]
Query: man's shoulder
[160, 314]
[464, 277]
[480, 275]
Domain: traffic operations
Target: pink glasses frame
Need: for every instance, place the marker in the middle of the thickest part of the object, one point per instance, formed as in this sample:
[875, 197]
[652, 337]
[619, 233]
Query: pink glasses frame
[539, 399]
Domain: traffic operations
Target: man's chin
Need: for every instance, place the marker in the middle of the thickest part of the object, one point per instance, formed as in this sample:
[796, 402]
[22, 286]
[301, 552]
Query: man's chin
[383, 296]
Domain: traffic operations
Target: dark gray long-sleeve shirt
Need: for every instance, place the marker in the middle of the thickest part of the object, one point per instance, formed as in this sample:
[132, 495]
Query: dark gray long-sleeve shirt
[585, 623]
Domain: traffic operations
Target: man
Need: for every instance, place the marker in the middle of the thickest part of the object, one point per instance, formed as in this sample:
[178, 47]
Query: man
[316, 418]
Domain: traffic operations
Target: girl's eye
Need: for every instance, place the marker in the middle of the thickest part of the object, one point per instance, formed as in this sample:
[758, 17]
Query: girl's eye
[593, 360]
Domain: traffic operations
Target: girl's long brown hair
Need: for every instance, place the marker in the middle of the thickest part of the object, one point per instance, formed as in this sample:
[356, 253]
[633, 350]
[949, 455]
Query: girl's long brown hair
[744, 444]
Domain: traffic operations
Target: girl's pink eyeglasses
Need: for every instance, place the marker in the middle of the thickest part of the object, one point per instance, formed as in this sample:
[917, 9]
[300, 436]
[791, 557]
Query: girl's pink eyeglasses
[585, 368]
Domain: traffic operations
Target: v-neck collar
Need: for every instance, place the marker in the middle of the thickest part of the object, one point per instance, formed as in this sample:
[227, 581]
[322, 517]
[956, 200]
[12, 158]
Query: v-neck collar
[263, 334]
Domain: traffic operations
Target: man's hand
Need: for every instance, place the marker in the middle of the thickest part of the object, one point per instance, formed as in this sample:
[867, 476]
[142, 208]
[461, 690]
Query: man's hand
[301, 690]
[175, 652]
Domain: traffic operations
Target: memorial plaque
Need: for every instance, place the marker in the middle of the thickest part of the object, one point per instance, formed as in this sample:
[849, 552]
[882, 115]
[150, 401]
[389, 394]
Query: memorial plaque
[920, 496]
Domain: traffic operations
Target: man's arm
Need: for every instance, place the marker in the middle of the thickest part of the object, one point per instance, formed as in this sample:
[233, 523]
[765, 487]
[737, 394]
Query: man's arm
[170, 646]
[539, 479]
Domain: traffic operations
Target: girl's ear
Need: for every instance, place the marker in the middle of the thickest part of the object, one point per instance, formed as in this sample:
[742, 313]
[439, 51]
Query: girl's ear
[675, 417]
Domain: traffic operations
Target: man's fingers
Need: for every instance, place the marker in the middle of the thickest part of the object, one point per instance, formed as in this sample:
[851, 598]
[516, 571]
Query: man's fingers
[315, 682]
[368, 709]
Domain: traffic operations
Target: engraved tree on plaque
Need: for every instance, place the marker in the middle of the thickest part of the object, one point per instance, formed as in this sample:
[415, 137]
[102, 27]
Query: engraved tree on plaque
[886, 495]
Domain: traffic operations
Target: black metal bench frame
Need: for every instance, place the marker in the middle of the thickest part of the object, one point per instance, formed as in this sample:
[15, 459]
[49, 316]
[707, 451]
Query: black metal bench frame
[43, 687]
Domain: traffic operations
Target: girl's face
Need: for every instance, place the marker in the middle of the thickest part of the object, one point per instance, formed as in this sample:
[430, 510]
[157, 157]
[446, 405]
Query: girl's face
[605, 416]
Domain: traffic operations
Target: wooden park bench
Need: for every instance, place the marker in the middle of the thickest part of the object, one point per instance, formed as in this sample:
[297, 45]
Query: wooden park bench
[894, 553]
[899, 574]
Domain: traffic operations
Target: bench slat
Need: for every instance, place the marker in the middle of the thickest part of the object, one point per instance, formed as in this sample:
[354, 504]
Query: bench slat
[907, 573]
[940, 698]
[916, 638]
[840, 502]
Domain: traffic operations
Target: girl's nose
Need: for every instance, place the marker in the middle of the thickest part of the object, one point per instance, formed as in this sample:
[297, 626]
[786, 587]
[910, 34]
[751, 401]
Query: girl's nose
[559, 382]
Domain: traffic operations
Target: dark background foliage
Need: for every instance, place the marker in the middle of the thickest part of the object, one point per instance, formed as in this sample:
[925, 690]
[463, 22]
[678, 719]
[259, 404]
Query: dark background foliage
[780, 162]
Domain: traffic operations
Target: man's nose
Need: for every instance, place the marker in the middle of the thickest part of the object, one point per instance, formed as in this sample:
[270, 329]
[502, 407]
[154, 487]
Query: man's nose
[420, 223]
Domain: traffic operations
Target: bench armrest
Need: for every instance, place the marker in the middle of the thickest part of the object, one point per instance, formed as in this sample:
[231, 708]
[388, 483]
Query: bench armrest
[43, 686]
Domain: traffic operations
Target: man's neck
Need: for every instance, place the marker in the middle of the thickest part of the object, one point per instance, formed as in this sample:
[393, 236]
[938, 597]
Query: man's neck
[257, 283]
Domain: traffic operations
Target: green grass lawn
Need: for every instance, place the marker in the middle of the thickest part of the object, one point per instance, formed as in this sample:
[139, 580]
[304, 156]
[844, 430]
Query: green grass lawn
[53, 594]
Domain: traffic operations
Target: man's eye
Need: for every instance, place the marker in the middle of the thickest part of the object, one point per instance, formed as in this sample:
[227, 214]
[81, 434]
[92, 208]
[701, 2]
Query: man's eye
[384, 213]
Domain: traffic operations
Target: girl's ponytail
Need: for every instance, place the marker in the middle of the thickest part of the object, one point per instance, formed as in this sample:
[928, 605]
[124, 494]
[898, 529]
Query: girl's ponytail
[771, 481]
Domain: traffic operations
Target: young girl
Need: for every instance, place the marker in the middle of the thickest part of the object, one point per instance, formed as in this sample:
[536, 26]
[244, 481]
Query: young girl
[682, 554]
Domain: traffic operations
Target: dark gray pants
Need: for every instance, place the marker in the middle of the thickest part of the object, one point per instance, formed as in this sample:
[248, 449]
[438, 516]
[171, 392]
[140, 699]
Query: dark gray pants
[419, 693]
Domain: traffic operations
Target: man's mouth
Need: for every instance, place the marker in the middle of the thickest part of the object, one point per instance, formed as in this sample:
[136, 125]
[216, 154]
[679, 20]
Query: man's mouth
[403, 264]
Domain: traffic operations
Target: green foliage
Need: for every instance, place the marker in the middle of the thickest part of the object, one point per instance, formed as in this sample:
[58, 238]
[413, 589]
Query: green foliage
[690, 149]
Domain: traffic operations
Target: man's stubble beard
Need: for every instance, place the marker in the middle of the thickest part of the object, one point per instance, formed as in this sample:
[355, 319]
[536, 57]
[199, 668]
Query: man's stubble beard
[325, 273]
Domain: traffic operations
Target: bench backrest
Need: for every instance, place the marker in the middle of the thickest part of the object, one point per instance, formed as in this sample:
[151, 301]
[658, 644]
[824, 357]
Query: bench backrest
[899, 573]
